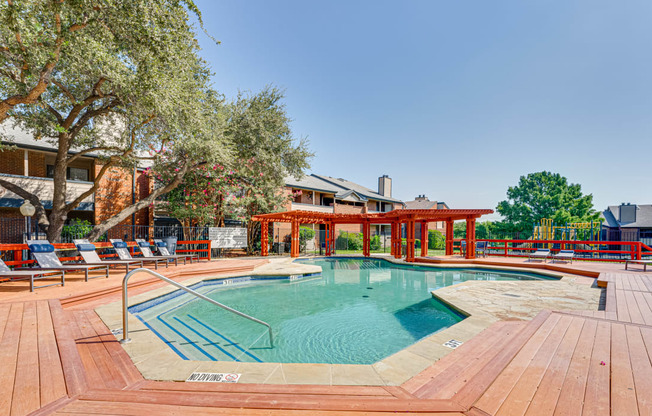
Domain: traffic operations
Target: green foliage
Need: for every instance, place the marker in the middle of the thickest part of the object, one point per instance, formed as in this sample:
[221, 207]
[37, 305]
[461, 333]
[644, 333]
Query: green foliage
[544, 195]
[375, 243]
[436, 240]
[349, 241]
[76, 229]
[125, 81]
[305, 234]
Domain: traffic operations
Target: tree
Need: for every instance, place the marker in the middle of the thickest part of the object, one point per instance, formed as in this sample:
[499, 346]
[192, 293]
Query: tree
[264, 154]
[544, 195]
[36, 35]
[129, 87]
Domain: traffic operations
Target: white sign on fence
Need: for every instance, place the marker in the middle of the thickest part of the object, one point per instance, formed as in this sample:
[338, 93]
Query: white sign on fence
[227, 237]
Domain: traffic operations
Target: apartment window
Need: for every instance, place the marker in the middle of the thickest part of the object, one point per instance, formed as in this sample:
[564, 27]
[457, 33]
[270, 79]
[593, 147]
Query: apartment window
[73, 174]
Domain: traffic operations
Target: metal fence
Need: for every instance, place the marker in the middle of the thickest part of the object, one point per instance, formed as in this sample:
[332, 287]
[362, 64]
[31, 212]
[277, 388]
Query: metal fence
[345, 243]
[16, 231]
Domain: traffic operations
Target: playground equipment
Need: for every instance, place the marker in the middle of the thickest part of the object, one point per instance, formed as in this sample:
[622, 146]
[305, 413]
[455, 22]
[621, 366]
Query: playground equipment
[548, 230]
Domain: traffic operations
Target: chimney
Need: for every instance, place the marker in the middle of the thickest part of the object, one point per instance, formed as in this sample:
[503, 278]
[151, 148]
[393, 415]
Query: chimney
[385, 186]
[422, 198]
[627, 213]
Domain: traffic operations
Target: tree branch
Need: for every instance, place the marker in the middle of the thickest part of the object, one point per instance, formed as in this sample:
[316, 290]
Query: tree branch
[72, 205]
[100, 229]
[90, 114]
[65, 91]
[81, 153]
[40, 214]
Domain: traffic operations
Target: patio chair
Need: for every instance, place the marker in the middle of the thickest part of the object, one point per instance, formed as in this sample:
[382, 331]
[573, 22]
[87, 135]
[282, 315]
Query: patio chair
[146, 249]
[163, 249]
[642, 262]
[481, 248]
[463, 247]
[123, 252]
[564, 255]
[91, 258]
[5, 271]
[540, 254]
[47, 259]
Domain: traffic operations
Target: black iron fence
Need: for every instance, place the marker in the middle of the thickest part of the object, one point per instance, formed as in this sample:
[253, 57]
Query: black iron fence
[18, 230]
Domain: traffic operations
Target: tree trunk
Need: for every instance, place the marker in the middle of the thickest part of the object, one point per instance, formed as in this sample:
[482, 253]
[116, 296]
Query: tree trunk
[59, 212]
[252, 228]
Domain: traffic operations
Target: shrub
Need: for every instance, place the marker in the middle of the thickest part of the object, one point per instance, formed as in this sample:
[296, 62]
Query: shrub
[349, 241]
[305, 234]
[436, 240]
[75, 229]
[375, 242]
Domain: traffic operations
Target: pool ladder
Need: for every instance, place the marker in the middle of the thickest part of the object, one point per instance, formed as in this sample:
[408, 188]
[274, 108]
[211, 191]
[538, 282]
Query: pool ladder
[125, 303]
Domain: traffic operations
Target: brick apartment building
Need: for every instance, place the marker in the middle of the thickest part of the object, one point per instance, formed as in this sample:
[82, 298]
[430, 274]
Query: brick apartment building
[422, 202]
[339, 196]
[31, 164]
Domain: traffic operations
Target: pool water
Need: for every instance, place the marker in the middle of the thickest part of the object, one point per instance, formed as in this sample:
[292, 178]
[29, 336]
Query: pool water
[358, 311]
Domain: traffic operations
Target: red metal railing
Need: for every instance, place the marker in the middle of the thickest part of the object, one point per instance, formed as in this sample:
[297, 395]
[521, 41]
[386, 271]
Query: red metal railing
[507, 248]
[18, 249]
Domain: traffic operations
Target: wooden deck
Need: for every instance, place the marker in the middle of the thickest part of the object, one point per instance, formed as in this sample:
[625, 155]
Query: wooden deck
[58, 357]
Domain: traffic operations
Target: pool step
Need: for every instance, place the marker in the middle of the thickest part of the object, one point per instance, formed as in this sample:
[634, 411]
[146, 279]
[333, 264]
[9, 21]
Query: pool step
[466, 373]
[201, 341]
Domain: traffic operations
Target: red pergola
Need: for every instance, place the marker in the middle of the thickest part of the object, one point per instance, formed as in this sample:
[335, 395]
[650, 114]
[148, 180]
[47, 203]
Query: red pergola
[409, 217]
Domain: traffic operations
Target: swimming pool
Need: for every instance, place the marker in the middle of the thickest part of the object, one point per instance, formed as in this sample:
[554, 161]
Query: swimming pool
[358, 311]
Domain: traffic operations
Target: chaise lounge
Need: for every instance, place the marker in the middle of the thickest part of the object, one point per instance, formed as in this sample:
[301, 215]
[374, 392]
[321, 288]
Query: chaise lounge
[91, 258]
[540, 254]
[564, 255]
[5, 271]
[122, 250]
[47, 259]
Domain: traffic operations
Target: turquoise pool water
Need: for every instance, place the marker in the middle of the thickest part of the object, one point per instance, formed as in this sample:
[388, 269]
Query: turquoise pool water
[358, 311]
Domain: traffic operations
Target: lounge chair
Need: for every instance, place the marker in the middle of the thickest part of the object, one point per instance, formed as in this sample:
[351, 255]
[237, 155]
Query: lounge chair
[481, 248]
[541, 254]
[123, 252]
[564, 255]
[163, 249]
[91, 258]
[146, 249]
[5, 271]
[47, 259]
[643, 262]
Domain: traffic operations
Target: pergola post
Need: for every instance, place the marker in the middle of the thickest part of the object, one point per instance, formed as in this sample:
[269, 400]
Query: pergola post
[470, 238]
[332, 237]
[294, 248]
[366, 239]
[392, 239]
[424, 238]
[410, 233]
[398, 241]
[264, 238]
[449, 237]
[327, 238]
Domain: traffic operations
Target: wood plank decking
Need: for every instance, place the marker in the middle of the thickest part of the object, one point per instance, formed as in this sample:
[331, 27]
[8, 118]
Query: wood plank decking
[63, 360]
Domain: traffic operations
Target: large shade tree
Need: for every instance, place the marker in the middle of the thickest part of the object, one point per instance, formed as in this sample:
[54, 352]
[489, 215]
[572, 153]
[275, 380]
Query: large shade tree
[264, 153]
[128, 86]
[544, 195]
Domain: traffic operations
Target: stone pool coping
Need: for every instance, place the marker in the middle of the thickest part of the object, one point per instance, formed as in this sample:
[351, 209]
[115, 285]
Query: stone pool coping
[156, 361]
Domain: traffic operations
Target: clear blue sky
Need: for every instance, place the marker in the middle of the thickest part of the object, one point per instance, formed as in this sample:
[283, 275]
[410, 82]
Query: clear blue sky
[453, 99]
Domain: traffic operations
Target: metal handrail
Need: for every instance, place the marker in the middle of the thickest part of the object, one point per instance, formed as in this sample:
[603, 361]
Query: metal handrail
[125, 305]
